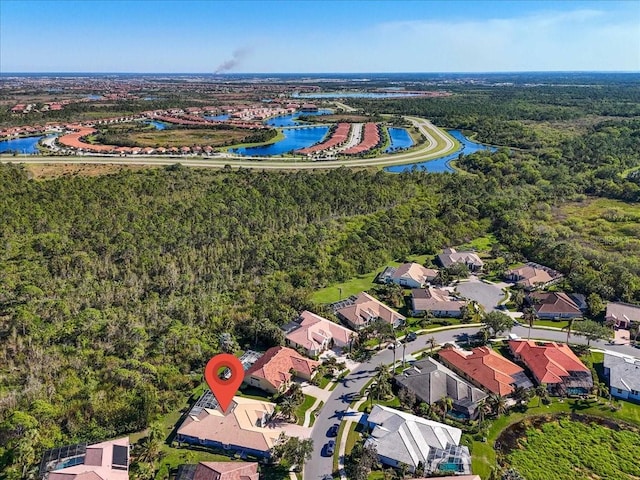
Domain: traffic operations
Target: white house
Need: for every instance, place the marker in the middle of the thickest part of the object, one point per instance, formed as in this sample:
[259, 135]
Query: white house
[624, 376]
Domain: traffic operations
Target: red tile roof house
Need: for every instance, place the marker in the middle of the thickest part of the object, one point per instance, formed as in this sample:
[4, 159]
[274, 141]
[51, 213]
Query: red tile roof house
[486, 369]
[622, 314]
[316, 334]
[102, 461]
[219, 471]
[275, 369]
[437, 301]
[554, 305]
[364, 309]
[554, 365]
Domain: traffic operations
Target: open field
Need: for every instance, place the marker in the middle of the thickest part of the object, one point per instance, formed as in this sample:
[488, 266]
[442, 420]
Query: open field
[338, 118]
[45, 172]
[181, 137]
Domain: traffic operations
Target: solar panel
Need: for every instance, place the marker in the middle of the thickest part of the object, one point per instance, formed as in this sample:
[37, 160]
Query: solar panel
[120, 457]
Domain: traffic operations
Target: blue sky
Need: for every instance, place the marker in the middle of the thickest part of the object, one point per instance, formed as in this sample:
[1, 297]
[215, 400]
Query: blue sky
[318, 36]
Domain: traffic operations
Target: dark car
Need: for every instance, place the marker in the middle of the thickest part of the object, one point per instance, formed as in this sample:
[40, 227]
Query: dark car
[411, 337]
[333, 431]
[331, 446]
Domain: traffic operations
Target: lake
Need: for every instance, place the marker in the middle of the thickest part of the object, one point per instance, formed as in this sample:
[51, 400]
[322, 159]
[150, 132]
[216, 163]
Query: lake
[294, 139]
[21, 145]
[218, 118]
[291, 120]
[441, 165]
[400, 139]
[158, 125]
[356, 95]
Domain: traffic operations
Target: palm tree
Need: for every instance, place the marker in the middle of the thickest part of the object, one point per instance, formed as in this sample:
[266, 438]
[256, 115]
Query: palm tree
[295, 394]
[150, 446]
[446, 403]
[287, 409]
[498, 404]
[483, 409]
[431, 341]
[541, 392]
[529, 315]
[569, 327]
[634, 331]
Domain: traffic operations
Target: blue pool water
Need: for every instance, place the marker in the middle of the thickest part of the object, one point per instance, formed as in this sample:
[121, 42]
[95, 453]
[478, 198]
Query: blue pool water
[294, 139]
[218, 118]
[441, 165]
[291, 120]
[21, 145]
[400, 139]
[158, 125]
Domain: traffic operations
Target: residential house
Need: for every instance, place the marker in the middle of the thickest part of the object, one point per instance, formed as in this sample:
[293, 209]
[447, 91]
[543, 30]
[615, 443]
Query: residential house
[532, 276]
[402, 438]
[624, 376]
[315, 334]
[361, 310]
[275, 369]
[554, 365]
[622, 314]
[218, 471]
[101, 461]
[554, 305]
[410, 275]
[487, 369]
[431, 381]
[450, 256]
[436, 301]
[243, 429]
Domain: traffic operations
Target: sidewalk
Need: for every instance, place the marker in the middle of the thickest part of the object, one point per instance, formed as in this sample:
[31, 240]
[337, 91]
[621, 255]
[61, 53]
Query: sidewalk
[345, 433]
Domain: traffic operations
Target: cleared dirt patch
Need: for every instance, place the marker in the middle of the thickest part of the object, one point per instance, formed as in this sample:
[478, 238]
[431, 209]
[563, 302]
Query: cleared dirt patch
[46, 172]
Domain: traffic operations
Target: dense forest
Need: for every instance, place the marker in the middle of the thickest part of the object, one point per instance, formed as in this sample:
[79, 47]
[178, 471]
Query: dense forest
[114, 290]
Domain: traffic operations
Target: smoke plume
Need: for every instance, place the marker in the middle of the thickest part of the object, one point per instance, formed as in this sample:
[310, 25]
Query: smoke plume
[236, 57]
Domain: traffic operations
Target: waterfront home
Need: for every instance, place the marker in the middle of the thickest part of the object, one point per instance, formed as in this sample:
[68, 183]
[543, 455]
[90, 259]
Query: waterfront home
[555, 365]
[274, 371]
[437, 301]
[361, 310]
[315, 334]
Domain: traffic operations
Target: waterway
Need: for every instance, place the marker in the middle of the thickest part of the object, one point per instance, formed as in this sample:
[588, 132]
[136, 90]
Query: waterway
[294, 139]
[441, 165]
[158, 125]
[26, 145]
[291, 120]
[356, 95]
[218, 118]
[400, 139]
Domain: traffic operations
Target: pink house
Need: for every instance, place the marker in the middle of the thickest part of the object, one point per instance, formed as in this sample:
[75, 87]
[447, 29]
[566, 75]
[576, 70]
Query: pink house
[316, 334]
[102, 461]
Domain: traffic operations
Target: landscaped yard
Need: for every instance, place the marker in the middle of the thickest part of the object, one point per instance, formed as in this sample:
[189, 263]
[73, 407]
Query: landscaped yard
[306, 405]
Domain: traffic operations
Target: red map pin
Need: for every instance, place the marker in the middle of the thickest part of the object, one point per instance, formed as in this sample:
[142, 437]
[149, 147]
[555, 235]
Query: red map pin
[224, 389]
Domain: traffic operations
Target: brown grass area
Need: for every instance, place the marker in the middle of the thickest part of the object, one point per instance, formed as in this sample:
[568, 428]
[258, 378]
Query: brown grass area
[188, 137]
[46, 172]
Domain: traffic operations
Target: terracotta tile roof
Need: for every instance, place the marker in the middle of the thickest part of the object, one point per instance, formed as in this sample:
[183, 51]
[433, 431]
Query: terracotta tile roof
[314, 330]
[226, 471]
[528, 276]
[490, 369]
[554, 302]
[435, 299]
[241, 427]
[549, 362]
[97, 464]
[275, 364]
[414, 271]
[365, 308]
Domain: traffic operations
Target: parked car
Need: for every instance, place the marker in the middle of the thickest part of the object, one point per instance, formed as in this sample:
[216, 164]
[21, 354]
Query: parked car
[411, 336]
[331, 446]
[333, 430]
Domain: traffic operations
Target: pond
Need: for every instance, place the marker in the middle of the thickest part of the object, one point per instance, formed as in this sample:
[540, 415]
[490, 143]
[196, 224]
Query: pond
[158, 125]
[218, 118]
[291, 120]
[26, 145]
[294, 139]
[400, 139]
[441, 165]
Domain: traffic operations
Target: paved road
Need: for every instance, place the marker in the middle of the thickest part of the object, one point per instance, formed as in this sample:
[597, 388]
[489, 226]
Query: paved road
[426, 152]
[487, 295]
[342, 396]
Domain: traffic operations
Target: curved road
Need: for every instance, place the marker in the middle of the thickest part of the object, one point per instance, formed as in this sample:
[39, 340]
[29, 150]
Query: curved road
[344, 393]
[428, 151]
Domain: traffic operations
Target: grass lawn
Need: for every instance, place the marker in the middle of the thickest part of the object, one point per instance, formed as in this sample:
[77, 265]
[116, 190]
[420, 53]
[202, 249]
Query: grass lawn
[480, 244]
[315, 412]
[352, 438]
[551, 323]
[357, 284]
[323, 381]
[179, 137]
[336, 453]
[306, 405]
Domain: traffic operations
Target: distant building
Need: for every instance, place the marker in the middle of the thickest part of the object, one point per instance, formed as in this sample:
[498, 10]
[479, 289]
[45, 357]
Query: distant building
[362, 310]
[402, 438]
[450, 257]
[410, 275]
[554, 365]
[436, 301]
[624, 376]
[101, 461]
[315, 334]
[431, 381]
[487, 369]
[622, 314]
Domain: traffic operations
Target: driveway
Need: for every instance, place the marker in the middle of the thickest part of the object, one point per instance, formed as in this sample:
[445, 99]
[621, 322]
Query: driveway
[486, 294]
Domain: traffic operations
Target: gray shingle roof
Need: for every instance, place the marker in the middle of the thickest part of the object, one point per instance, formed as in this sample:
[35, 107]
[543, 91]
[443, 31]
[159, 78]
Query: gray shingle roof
[624, 372]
